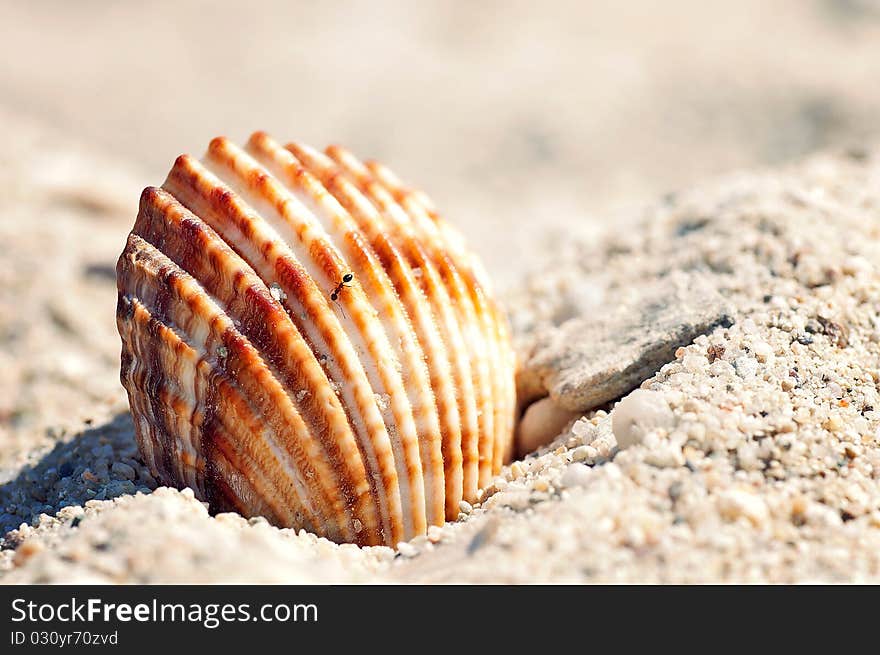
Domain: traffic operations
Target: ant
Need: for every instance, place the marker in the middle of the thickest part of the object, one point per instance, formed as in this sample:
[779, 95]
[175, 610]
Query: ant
[346, 280]
[334, 295]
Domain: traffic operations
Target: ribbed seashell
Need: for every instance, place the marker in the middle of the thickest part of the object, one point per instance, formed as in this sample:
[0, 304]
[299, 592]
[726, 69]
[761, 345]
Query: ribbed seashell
[362, 411]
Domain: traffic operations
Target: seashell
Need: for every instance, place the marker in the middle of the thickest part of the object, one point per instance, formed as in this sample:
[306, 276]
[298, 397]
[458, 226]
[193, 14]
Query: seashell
[304, 338]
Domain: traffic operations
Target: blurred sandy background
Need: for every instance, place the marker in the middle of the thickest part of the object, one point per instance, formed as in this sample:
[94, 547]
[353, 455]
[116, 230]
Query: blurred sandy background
[517, 117]
[523, 120]
[526, 122]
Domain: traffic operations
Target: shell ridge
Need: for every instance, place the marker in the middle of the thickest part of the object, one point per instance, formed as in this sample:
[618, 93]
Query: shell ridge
[423, 311]
[171, 322]
[196, 304]
[267, 198]
[436, 291]
[265, 323]
[143, 317]
[480, 336]
[208, 197]
[152, 434]
[445, 233]
[471, 279]
[305, 338]
[381, 294]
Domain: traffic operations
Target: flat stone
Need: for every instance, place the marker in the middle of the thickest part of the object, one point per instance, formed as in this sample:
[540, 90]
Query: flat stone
[589, 361]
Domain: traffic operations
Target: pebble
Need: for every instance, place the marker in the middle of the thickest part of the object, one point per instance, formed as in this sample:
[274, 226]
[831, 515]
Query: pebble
[516, 470]
[123, 470]
[26, 550]
[435, 533]
[406, 549]
[746, 367]
[541, 423]
[576, 475]
[665, 455]
[541, 484]
[581, 428]
[734, 504]
[763, 351]
[638, 413]
[833, 423]
[695, 363]
[582, 453]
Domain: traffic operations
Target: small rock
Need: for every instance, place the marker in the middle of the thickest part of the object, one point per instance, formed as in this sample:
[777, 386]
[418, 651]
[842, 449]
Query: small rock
[637, 414]
[837, 332]
[581, 428]
[589, 361]
[666, 455]
[576, 475]
[516, 470]
[123, 470]
[517, 500]
[695, 363]
[542, 422]
[746, 367]
[738, 503]
[833, 423]
[26, 550]
[88, 476]
[406, 549]
[763, 352]
[435, 533]
[582, 453]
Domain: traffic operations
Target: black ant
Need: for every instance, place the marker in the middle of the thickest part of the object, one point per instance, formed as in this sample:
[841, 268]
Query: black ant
[346, 280]
[334, 295]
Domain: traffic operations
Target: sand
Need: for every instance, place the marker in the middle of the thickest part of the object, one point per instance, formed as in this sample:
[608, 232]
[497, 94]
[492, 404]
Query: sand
[752, 454]
[736, 435]
[517, 118]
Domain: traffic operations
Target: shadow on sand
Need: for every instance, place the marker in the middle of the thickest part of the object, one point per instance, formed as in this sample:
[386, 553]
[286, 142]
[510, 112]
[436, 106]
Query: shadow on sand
[99, 463]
